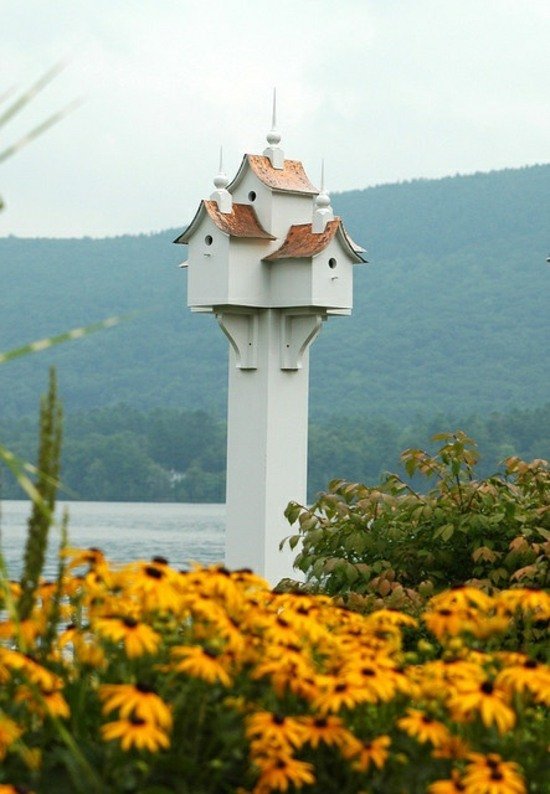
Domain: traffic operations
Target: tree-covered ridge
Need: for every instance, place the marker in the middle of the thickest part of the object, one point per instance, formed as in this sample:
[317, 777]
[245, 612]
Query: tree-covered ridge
[450, 315]
[122, 454]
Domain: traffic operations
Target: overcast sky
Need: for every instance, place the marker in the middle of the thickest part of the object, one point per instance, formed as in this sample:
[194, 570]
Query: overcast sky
[384, 90]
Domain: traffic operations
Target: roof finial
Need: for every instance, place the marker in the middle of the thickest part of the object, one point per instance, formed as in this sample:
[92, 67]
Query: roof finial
[273, 151]
[221, 195]
[322, 213]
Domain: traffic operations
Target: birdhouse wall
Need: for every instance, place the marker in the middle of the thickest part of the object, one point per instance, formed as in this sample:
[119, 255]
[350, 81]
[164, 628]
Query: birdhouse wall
[208, 271]
[248, 278]
[289, 209]
[332, 277]
[291, 283]
[251, 191]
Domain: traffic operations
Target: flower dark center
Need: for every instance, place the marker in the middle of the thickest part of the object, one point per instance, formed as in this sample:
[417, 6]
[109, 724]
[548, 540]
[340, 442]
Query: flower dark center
[445, 612]
[279, 719]
[427, 720]
[130, 623]
[496, 775]
[368, 671]
[137, 720]
[153, 572]
[159, 560]
[487, 688]
[144, 688]
[320, 722]
[530, 664]
[341, 687]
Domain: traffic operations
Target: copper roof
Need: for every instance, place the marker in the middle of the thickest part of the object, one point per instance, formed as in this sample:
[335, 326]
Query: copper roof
[242, 221]
[290, 179]
[302, 243]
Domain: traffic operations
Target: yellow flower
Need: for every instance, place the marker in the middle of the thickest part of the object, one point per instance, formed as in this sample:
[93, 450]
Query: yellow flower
[365, 753]
[6, 788]
[9, 733]
[423, 728]
[201, 663]
[326, 730]
[452, 786]
[275, 729]
[448, 620]
[153, 583]
[335, 693]
[491, 775]
[278, 773]
[487, 699]
[135, 699]
[528, 675]
[533, 600]
[463, 597]
[136, 732]
[138, 638]
[79, 557]
[46, 702]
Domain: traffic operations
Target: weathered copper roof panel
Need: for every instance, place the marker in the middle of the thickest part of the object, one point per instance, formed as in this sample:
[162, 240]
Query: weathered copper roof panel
[302, 243]
[290, 179]
[242, 221]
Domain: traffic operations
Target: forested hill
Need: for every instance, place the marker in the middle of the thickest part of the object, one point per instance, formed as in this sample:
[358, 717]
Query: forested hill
[451, 315]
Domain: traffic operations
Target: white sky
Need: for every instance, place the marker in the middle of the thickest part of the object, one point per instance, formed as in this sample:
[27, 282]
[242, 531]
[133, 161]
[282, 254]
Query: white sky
[384, 90]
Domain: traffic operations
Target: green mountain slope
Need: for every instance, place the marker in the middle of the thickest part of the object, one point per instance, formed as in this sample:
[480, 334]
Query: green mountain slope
[451, 315]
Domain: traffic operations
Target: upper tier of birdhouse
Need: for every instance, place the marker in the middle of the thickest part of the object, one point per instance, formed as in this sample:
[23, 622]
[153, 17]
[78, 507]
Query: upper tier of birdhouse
[269, 239]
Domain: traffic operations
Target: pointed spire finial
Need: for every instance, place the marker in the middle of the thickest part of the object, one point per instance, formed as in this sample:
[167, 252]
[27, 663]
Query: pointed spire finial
[273, 151]
[222, 196]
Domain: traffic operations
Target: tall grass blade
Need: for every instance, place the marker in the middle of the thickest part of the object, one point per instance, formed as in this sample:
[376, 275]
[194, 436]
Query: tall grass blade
[23, 100]
[30, 136]
[44, 344]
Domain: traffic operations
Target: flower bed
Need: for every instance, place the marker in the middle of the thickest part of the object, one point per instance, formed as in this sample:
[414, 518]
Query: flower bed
[142, 678]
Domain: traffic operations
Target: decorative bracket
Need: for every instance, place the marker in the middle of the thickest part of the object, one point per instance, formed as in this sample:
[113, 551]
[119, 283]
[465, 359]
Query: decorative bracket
[298, 330]
[241, 328]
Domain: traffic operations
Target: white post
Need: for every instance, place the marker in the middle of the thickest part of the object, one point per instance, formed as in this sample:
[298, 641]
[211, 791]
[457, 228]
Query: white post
[267, 432]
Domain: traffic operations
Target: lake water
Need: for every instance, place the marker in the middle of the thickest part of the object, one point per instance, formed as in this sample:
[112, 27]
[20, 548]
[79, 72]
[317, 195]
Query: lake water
[124, 531]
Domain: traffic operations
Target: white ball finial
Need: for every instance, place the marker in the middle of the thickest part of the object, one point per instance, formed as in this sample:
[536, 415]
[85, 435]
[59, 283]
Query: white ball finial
[273, 151]
[322, 213]
[221, 195]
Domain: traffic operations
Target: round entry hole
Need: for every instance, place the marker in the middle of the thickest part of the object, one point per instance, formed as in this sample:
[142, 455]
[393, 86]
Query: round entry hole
[332, 263]
[208, 239]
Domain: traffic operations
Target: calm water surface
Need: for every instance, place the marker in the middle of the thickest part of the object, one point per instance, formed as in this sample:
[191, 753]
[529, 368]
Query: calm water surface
[124, 531]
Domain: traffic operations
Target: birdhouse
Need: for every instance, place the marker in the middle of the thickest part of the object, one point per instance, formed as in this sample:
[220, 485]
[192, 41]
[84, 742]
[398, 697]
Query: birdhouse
[269, 239]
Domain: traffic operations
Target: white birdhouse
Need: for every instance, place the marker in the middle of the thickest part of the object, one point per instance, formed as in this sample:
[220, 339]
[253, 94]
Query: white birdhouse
[269, 239]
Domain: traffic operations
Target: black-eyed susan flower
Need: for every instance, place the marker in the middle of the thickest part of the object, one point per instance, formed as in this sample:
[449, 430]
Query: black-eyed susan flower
[486, 698]
[367, 752]
[10, 732]
[202, 663]
[527, 675]
[335, 693]
[489, 774]
[279, 773]
[448, 621]
[153, 583]
[454, 785]
[275, 729]
[328, 729]
[531, 600]
[44, 702]
[137, 637]
[136, 732]
[423, 728]
[453, 747]
[135, 699]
